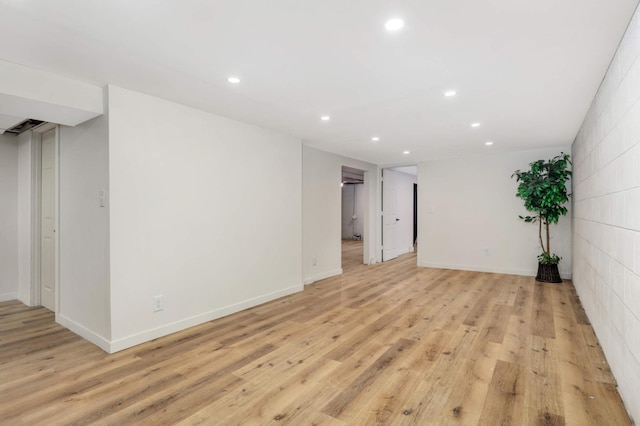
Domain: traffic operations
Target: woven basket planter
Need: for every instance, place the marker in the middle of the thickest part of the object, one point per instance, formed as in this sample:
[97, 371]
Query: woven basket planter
[548, 273]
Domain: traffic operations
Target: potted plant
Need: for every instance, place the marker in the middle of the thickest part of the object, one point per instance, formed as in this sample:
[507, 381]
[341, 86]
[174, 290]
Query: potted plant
[544, 191]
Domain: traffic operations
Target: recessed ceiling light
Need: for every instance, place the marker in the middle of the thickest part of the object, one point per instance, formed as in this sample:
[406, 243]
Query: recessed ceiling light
[406, 152]
[394, 24]
[475, 124]
[450, 93]
[488, 143]
[375, 138]
[233, 80]
[325, 118]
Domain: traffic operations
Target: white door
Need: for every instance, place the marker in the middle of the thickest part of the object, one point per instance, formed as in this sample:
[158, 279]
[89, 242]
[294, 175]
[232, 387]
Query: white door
[389, 217]
[47, 221]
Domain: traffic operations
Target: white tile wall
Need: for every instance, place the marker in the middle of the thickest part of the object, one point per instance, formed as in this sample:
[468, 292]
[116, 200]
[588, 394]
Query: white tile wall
[606, 234]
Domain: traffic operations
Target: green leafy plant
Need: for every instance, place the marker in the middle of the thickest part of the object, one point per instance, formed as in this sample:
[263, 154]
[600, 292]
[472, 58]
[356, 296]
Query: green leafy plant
[544, 191]
[549, 259]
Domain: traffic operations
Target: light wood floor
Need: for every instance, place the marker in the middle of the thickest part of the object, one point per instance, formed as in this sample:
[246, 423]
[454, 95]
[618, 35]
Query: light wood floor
[384, 344]
[351, 254]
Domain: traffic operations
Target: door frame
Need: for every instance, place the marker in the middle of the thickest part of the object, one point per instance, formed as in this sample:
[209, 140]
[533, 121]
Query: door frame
[36, 234]
[380, 211]
[415, 214]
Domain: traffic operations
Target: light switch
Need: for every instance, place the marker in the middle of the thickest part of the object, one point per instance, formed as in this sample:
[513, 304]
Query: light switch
[102, 195]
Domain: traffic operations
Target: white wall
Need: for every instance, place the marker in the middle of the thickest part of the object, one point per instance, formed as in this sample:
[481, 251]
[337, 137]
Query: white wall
[321, 212]
[8, 217]
[606, 155]
[25, 217]
[403, 189]
[352, 204]
[180, 227]
[84, 230]
[467, 205]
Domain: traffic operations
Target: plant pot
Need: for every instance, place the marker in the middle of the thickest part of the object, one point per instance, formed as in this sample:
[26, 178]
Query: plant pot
[548, 273]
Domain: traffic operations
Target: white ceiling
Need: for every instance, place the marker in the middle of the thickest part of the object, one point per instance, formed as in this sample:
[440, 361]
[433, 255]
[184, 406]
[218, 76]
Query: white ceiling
[527, 70]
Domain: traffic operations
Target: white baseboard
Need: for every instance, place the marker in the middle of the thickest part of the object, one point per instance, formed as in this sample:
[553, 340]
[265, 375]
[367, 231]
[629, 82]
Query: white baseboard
[84, 332]
[508, 271]
[321, 276]
[24, 299]
[136, 339]
[4, 297]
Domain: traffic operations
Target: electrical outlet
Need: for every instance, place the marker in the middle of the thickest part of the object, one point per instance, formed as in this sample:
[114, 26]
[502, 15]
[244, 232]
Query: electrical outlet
[486, 251]
[158, 303]
[314, 261]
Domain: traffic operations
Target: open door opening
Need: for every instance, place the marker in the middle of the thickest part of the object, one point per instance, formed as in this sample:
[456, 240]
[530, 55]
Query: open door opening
[353, 210]
[399, 204]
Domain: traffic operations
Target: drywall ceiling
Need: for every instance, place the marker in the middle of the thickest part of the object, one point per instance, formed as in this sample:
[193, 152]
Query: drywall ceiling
[526, 70]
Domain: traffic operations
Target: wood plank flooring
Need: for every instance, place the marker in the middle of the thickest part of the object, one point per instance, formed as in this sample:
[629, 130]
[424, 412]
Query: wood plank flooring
[384, 344]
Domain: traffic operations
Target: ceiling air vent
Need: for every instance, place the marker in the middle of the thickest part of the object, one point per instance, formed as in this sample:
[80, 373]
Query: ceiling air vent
[27, 124]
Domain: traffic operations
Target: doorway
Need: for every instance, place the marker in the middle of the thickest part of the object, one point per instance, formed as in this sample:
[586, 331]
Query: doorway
[353, 213]
[398, 211]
